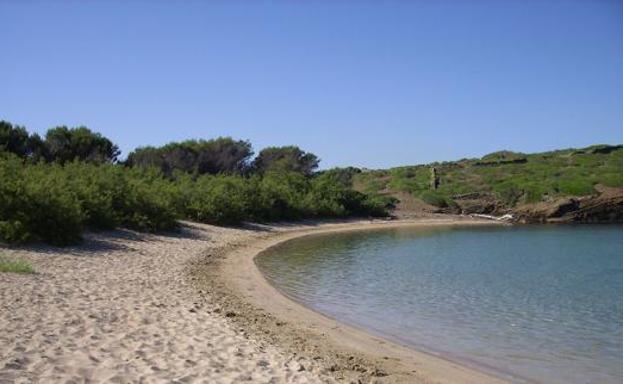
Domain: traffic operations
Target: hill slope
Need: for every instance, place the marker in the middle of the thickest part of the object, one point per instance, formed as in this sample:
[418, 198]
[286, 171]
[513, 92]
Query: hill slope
[565, 185]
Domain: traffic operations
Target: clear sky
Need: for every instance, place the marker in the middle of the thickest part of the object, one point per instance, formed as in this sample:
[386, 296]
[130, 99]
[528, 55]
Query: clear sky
[373, 84]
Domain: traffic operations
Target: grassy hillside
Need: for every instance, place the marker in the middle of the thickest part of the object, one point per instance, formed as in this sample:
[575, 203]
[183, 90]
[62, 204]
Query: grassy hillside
[508, 178]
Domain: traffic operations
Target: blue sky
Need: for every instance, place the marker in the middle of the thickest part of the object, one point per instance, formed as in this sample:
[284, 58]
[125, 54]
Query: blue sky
[372, 84]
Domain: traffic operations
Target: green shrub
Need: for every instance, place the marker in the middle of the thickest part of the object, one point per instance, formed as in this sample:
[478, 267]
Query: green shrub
[503, 155]
[13, 231]
[376, 205]
[96, 189]
[15, 265]
[534, 192]
[112, 196]
[148, 203]
[35, 205]
[53, 212]
[329, 197]
[55, 203]
[508, 192]
[612, 179]
[434, 198]
[280, 196]
[219, 200]
[576, 187]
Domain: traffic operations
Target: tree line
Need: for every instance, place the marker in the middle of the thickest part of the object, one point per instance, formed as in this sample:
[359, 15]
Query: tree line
[60, 144]
[222, 155]
[52, 188]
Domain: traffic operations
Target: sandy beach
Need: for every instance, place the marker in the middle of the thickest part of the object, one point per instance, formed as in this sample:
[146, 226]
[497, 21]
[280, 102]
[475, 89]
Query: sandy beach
[188, 307]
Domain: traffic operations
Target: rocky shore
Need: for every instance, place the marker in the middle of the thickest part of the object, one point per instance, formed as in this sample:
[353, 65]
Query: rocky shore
[605, 206]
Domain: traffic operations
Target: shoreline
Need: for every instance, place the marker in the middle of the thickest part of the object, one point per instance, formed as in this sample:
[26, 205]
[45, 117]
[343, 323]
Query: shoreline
[342, 351]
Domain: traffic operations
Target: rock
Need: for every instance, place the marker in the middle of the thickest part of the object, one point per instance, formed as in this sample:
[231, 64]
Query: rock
[607, 207]
[483, 207]
[263, 363]
[379, 373]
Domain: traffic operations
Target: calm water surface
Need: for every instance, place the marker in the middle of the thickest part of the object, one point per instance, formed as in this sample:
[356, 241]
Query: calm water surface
[540, 303]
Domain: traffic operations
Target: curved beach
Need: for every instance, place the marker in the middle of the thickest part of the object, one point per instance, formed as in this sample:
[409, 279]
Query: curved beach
[345, 352]
[189, 307]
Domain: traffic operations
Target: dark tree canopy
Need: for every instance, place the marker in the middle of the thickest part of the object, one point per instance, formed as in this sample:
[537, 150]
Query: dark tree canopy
[61, 144]
[14, 139]
[290, 158]
[67, 144]
[221, 155]
[38, 151]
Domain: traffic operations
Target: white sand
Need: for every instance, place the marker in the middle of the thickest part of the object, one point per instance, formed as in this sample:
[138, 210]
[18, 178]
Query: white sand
[121, 308]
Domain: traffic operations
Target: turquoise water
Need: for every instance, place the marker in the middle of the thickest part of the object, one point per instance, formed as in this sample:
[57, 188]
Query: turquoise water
[534, 303]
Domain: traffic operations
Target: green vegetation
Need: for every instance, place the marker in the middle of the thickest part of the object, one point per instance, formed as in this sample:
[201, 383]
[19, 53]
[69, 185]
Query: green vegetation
[288, 159]
[61, 144]
[78, 185]
[509, 177]
[221, 155]
[55, 188]
[15, 265]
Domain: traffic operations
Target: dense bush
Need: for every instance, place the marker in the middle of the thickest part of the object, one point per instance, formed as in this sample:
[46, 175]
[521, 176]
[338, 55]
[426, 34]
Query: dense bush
[280, 196]
[36, 206]
[56, 202]
[54, 188]
[147, 201]
[218, 200]
[433, 198]
[330, 194]
[272, 197]
[576, 187]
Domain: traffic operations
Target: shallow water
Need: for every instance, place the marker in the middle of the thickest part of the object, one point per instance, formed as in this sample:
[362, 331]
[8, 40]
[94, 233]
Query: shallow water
[539, 303]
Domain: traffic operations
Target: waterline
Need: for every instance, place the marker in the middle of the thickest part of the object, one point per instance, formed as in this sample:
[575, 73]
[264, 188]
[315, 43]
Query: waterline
[539, 302]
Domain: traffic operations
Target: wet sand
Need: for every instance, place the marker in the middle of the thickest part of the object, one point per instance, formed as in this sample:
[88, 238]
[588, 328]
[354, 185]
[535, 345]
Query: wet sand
[346, 353]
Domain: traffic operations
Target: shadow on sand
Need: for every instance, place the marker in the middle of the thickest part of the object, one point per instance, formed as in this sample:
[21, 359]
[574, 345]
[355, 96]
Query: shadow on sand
[96, 243]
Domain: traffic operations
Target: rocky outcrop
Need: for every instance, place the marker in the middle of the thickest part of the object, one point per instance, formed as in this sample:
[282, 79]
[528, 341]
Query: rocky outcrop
[605, 207]
[476, 203]
[477, 206]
